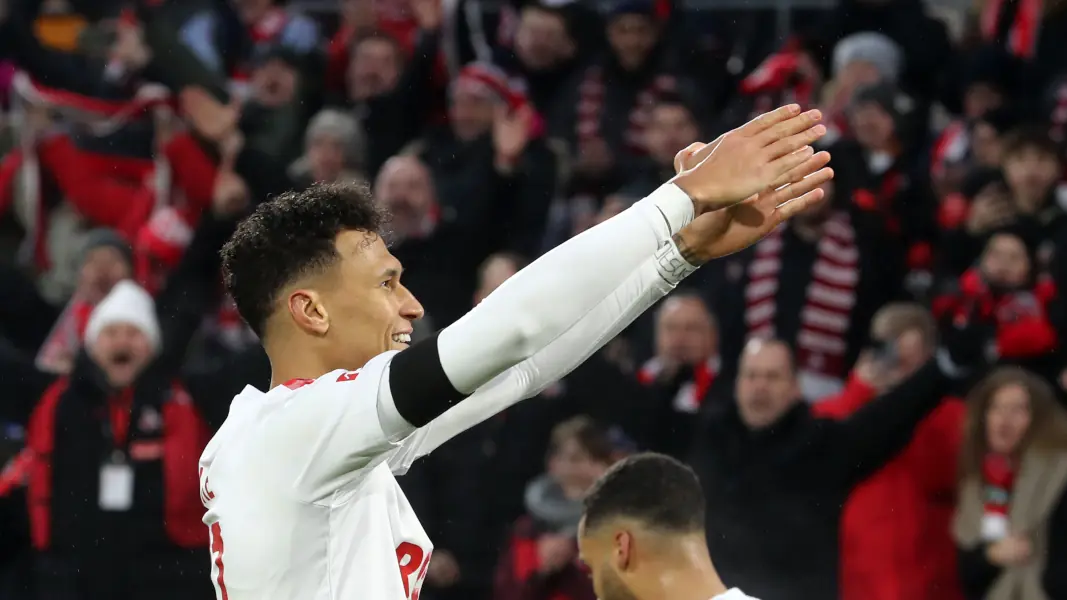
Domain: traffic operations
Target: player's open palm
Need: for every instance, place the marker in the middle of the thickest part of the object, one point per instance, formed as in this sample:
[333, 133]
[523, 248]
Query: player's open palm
[729, 230]
[749, 159]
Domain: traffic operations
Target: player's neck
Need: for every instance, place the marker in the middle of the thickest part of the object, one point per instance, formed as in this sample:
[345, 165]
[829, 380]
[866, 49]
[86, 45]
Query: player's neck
[688, 576]
[293, 364]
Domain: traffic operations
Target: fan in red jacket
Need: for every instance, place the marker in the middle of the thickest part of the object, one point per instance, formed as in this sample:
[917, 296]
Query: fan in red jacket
[895, 538]
[1003, 301]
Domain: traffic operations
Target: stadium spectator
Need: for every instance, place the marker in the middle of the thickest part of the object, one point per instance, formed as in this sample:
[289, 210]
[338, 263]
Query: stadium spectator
[541, 559]
[681, 373]
[776, 475]
[895, 539]
[1011, 522]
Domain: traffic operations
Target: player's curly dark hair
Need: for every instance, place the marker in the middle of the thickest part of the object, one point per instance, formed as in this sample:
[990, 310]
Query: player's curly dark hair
[289, 236]
[654, 489]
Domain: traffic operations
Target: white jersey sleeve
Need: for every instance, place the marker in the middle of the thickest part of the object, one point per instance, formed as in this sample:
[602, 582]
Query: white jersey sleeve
[339, 427]
[645, 286]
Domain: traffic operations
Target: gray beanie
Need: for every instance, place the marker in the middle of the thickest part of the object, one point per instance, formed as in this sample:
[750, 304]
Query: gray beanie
[103, 236]
[872, 47]
[345, 128]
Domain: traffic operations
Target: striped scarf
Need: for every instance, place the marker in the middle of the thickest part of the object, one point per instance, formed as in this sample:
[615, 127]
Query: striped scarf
[1016, 23]
[952, 147]
[690, 394]
[825, 318]
[998, 478]
[591, 107]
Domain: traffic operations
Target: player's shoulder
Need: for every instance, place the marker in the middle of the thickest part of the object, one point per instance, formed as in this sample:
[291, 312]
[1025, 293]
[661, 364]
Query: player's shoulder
[343, 381]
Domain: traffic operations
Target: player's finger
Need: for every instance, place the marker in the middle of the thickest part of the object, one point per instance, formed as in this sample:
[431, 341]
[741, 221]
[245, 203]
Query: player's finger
[681, 160]
[799, 188]
[809, 166]
[789, 163]
[789, 127]
[769, 119]
[787, 145]
[798, 205]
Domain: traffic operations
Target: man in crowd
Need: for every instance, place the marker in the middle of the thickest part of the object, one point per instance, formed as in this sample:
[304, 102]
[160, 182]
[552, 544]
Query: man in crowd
[776, 475]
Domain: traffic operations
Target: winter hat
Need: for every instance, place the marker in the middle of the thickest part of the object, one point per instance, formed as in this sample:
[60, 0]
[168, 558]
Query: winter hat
[990, 65]
[104, 237]
[872, 47]
[344, 127]
[127, 303]
[893, 101]
[486, 79]
[644, 8]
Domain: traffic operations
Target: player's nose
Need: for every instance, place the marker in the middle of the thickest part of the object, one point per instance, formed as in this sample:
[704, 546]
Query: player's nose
[410, 307]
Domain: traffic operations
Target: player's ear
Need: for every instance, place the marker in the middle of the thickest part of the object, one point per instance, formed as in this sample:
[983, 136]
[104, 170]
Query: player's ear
[623, 549]
[309, 312]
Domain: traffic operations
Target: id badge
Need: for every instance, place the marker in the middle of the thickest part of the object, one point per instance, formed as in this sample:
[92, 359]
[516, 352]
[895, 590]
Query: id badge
[116, 485]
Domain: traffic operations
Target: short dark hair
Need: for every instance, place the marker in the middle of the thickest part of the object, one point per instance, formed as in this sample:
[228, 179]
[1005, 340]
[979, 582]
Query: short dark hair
[587, 433]
[290, 236]
[1031, 137]
[654, 489]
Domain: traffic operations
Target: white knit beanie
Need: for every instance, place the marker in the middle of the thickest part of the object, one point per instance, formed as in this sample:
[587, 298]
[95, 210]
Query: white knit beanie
[872, 47]
[127, 303]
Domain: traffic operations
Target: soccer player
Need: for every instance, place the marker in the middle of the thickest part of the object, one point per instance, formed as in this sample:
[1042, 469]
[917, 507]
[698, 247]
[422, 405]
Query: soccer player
[642, 534]
[298, 481]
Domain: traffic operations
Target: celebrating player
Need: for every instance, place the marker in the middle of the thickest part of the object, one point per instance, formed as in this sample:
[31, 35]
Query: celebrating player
[642, 534]
[298, 481]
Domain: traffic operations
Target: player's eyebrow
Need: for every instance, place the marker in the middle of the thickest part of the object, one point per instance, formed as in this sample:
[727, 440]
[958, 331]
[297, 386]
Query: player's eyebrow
[392, 272]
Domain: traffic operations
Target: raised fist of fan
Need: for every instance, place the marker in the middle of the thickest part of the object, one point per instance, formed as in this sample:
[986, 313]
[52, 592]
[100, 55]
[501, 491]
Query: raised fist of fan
[732, 229]
[749, 159]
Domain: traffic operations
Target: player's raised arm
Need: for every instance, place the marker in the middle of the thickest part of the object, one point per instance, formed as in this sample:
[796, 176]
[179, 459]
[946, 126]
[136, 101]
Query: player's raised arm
[544, 300]
[708, 236]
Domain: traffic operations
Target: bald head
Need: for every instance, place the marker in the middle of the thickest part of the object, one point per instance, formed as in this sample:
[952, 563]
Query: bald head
[766, 386]
[405, 187]
[686, 332]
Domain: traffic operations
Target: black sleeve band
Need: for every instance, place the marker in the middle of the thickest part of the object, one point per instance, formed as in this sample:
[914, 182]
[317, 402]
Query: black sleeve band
[421, 390]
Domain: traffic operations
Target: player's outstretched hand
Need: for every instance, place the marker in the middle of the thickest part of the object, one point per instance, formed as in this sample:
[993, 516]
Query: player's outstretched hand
[747, 160]
[722, 232]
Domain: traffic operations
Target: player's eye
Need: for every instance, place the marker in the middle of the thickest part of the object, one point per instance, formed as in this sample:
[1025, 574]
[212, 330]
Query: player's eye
[388, 283]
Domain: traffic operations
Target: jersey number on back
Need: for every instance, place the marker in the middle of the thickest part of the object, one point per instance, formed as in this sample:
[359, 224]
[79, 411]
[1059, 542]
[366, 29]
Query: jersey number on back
[413, 562]
[216, 552]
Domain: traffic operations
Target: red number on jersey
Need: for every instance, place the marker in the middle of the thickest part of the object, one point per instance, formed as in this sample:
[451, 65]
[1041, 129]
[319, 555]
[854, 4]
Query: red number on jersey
[412, 561]
[216, 549]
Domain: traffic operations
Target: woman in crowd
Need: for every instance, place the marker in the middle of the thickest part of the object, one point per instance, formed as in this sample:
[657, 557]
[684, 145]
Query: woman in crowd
[1011, 521]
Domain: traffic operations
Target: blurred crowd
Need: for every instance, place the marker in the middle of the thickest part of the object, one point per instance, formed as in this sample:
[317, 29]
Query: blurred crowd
[802, 378]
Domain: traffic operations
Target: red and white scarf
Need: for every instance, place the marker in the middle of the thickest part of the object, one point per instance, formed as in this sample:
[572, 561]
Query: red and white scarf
[690, 394]
[591, 108]
[998, 478]
[1022, 31]
[951, 147]
[825, 318]
[65, 339]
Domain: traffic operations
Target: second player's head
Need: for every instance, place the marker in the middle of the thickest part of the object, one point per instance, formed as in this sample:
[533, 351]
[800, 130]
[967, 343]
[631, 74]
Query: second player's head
[309, 271]
[645, 514]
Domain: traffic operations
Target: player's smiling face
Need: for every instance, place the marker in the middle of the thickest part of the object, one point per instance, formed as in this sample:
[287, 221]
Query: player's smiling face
[369, 310]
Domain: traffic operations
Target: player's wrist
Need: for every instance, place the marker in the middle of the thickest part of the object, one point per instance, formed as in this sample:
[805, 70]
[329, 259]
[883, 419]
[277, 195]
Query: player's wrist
[704, 196]
[671, 262]
[672, 205]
